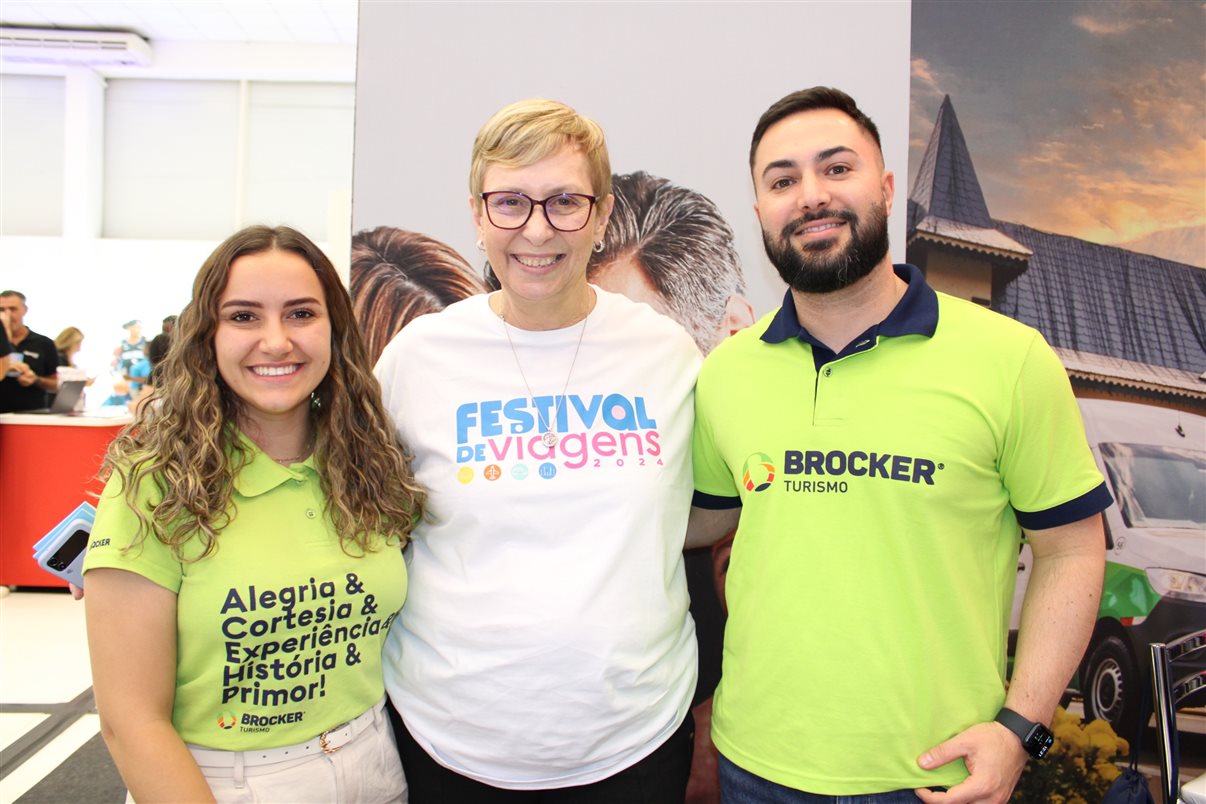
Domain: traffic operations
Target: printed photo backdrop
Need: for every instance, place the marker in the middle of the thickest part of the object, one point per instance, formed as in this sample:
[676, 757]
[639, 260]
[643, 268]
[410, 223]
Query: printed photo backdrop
[1055, 173]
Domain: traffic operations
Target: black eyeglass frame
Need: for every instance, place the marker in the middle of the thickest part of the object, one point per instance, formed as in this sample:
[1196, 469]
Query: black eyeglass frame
[541, 203]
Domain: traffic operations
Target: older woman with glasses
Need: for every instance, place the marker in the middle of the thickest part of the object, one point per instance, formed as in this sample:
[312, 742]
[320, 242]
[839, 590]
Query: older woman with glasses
[545, 652]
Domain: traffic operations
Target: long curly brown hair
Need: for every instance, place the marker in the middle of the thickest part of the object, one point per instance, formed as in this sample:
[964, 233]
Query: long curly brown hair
[188, 444]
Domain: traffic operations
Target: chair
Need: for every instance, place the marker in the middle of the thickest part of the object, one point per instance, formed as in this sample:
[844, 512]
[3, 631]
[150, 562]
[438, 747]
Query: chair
[1168, 694]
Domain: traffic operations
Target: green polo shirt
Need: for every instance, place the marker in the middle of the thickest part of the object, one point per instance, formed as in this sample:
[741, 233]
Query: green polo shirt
[882, 492]
[279, 632]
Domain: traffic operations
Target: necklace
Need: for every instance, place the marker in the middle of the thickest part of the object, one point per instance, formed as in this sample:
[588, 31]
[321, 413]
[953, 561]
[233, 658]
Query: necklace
[550, 437]
[295, 458]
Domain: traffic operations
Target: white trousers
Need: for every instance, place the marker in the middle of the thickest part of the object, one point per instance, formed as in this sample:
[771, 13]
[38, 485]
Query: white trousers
[365, 770]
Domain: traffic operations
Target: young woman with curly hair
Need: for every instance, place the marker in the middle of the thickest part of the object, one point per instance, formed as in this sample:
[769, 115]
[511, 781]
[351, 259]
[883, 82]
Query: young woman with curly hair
[245, 563]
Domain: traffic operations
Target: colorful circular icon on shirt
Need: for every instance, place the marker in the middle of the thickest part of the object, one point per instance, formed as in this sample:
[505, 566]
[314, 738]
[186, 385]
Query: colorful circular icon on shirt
[758, 472]
[519, 471]
[492, 471]
[465, 474]
[226, 719]
[548, 471]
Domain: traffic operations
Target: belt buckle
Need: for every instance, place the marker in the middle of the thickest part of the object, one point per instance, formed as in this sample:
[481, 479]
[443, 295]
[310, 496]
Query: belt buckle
[322, 740]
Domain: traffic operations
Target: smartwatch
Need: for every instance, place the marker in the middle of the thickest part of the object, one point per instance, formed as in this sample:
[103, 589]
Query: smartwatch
[1036, 738]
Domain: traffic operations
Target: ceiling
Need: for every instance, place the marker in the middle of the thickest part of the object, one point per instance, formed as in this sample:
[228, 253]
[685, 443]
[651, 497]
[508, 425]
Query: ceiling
[284, 21]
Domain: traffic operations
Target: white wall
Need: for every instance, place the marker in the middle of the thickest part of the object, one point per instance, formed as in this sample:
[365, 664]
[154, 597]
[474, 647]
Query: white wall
[31, 154]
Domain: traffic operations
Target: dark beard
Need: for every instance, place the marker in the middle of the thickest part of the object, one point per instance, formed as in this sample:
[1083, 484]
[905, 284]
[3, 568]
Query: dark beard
[810, 272]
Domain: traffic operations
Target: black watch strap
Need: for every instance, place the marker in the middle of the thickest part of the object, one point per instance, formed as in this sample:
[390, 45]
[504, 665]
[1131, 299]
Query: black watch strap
[1036, 738]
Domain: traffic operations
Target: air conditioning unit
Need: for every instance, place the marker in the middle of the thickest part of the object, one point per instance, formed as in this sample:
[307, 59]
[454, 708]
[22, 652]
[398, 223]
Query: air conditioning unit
[64, 46]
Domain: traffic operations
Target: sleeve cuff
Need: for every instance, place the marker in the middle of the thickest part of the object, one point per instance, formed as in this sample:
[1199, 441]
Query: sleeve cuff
[1084, 506]
[714, 503]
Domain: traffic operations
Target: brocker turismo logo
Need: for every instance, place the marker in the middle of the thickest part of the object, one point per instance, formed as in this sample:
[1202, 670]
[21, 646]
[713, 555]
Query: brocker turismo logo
[226, 719]
[816, 472]
[758, 472]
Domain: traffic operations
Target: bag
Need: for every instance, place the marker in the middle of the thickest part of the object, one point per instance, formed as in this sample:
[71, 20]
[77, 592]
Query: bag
[1129, 788]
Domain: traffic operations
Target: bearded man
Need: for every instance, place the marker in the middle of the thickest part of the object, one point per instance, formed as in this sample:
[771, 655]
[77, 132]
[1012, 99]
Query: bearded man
[882, 448]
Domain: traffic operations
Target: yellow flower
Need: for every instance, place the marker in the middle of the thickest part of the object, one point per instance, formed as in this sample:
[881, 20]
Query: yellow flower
[1062, 716]
[1103, 737]
[1079, 768]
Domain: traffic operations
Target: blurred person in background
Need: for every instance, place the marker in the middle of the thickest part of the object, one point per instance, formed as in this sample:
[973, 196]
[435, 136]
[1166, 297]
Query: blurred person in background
[157, 349]
[33, 360]
[6, 343]
[67, 343]
[128, 353]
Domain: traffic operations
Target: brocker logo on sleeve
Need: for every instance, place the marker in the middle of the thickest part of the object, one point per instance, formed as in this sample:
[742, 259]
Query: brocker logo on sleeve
[817, 472]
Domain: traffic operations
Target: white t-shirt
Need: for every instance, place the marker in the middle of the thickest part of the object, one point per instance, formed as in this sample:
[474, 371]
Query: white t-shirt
[545, 640]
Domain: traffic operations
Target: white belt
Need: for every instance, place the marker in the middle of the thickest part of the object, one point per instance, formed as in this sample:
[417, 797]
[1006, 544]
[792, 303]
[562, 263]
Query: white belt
[328, 742]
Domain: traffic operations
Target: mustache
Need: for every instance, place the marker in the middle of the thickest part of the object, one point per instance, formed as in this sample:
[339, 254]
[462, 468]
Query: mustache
[849, 216]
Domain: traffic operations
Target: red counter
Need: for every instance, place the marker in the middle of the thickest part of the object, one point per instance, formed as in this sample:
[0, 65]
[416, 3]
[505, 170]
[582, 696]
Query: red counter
[48, 466]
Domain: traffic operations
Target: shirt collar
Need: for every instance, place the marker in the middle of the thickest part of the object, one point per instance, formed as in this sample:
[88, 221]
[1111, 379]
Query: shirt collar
[261, 474]
[915, 314]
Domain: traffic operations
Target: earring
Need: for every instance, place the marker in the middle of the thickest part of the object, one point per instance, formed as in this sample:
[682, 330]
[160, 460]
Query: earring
[598, 246]
[315, 401]
[480, 245]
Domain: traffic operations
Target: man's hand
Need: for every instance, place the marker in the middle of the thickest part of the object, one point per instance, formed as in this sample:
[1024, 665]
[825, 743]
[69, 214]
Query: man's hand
[25, 375]
[994, 758]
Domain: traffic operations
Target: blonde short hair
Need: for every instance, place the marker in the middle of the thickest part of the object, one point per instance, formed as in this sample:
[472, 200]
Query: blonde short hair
[67, 338]
[527, 131]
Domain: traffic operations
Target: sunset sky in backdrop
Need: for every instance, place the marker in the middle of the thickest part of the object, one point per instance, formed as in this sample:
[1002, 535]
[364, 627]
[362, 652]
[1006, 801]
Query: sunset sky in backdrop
[1082, 118]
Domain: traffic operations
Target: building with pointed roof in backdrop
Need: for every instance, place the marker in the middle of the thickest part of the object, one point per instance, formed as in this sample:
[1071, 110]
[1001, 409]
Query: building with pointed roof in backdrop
[1126, 325]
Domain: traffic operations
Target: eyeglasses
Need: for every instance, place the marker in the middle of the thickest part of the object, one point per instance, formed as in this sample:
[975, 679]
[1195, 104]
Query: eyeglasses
[565, 212]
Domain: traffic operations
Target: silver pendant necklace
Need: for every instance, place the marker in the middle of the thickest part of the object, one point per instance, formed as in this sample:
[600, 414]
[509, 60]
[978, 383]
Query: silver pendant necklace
[550, 436]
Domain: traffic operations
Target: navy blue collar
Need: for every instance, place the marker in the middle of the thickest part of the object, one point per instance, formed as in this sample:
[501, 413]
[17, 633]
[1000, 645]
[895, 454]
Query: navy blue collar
[915, 314]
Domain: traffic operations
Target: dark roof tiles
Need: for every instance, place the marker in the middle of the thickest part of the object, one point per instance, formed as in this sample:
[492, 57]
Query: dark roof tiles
[946, 185]
[1109, 301]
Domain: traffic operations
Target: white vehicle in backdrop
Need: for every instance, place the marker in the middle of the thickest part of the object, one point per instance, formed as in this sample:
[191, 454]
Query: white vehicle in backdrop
[1154, 460]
